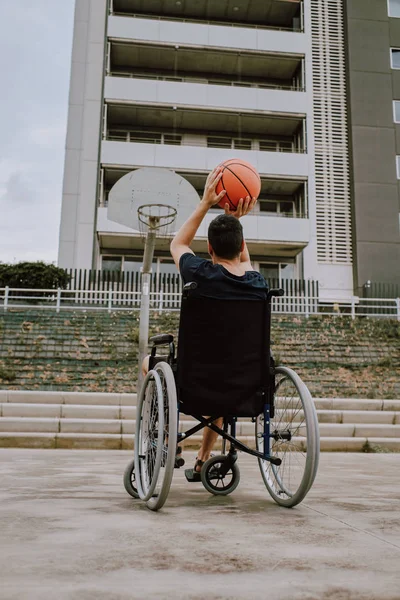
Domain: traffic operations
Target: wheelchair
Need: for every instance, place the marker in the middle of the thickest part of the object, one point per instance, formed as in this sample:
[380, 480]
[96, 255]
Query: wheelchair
[223, 368]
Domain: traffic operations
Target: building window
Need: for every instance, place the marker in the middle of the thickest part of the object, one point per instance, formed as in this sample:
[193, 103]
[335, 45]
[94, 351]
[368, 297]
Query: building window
[394, 8]
[214, 141]
[111, 263]
[274, 273]
[269, 271]
[395, 58]
[283, 208]
[398, 166]
[396, 111]
[133, 264]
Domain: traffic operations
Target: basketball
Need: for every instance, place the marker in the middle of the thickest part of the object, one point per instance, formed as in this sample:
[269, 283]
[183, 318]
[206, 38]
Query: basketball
[239, 179]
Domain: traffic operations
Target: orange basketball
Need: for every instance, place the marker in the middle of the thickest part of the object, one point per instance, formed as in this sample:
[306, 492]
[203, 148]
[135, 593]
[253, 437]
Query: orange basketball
[239, 179]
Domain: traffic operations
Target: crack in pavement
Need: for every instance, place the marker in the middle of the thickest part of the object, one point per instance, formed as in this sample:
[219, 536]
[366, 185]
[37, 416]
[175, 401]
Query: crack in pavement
[351, 526]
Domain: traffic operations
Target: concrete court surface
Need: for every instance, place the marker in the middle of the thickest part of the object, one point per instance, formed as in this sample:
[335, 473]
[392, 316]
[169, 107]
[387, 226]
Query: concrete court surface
[68, 530]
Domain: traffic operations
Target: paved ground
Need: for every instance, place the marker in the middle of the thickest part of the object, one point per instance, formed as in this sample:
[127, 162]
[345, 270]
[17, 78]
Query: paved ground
[68, 530]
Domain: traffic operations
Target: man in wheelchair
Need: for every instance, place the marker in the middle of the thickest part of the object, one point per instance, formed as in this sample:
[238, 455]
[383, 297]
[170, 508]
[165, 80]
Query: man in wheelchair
[229, 275]
[224, 370]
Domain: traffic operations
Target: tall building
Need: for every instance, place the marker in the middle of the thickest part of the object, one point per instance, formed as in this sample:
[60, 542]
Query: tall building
[186, 84]
[373, 41]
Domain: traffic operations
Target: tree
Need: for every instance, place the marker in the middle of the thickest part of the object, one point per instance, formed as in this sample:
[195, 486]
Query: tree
[33, 275]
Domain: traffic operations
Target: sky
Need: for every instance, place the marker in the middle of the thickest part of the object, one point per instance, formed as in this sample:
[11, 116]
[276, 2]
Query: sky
[35, 64]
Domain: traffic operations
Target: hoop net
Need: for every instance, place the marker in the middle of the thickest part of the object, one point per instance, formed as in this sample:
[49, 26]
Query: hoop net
[156, 217]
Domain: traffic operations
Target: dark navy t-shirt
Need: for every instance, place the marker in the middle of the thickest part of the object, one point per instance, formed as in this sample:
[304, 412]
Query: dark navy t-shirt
[214, 281]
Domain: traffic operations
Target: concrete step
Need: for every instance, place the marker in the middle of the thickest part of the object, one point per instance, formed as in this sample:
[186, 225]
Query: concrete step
[125, 442]
[68, 411]
[356, 404]
[86, 411]
[127, 426]
[89, 398]
[97, 398]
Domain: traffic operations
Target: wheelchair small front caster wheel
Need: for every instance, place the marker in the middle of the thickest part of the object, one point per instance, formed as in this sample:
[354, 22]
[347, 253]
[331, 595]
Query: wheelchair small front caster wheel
[130, 480]
[215, 480]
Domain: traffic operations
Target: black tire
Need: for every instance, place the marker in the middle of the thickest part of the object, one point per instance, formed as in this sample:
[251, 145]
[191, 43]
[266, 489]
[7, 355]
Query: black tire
[295, 417]
[214, 482]
[130, 480]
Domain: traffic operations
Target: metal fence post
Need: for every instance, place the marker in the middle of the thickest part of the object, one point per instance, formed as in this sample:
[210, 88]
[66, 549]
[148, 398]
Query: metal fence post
[398, 308]
[7, 291]
[110, 297]
[58, 300]
[353, 307]
[306, 298]
[160, 306]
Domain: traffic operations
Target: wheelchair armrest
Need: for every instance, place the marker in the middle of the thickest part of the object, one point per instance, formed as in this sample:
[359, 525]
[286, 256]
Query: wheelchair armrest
[164, 338]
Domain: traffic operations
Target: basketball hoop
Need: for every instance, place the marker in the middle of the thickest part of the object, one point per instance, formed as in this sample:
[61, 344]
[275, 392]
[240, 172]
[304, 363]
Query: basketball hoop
[154, 202]
[158, 218]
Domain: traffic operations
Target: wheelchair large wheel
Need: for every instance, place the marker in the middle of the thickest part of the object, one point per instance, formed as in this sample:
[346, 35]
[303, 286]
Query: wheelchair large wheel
[294, 439]
[130, 480]
[156, 436]
[149, 423]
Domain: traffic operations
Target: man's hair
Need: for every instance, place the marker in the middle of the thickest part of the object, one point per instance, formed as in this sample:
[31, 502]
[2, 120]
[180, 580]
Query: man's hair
[225, 234]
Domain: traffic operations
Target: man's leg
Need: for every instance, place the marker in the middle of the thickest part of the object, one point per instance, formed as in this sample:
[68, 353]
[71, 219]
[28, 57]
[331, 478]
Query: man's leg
[145, 365]
[209, 439]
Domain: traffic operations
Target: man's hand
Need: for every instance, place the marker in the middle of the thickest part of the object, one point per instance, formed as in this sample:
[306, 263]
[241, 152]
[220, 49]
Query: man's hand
[210, 196]
[243, 208]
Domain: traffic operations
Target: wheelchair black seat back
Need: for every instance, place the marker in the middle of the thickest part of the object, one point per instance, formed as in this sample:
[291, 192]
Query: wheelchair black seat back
[224, 368]
[222, 364]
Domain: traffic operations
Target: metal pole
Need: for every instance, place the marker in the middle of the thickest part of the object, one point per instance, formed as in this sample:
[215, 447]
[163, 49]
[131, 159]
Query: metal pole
[58, 300]
[6, 294]
[149, 246]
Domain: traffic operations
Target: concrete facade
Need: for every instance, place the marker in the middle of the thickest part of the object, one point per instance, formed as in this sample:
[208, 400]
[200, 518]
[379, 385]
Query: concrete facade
[374, 86]
[77, 230]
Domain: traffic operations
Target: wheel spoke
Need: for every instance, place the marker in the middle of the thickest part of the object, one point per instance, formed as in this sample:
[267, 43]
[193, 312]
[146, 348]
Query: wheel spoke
[294, 412]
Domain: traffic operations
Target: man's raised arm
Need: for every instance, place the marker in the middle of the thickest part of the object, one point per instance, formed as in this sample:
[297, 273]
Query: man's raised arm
[184, 237]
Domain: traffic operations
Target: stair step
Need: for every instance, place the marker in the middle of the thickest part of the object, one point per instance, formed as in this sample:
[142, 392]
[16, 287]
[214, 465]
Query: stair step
[68, 411]
[86, 411]
[125, 442]
[103, 398]
[44, 397]
[127, 426]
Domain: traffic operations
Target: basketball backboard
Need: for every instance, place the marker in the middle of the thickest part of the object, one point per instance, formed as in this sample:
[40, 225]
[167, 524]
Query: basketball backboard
[146, 186]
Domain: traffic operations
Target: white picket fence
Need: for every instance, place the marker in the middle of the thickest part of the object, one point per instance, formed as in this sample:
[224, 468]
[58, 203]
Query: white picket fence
[114, 300]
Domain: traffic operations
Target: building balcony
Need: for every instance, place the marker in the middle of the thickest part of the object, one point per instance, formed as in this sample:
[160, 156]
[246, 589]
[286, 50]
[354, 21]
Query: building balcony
[178, 157]
[195, 126]
[205, 95]
[280, 14]
[265, 235]
[279, 197]
[205, 34]
[209, 66]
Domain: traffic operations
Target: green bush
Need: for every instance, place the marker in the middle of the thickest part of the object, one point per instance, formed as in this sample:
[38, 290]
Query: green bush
[35, 275]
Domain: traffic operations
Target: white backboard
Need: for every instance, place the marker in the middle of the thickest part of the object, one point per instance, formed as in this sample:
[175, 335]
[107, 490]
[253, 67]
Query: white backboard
[150, 185]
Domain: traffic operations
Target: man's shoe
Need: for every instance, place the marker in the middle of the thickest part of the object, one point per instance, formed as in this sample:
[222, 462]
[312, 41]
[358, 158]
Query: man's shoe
[191, 474]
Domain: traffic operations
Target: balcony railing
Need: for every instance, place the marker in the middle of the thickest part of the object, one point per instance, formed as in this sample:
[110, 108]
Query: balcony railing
[206, 81]
[207, 22]
[218, 141]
